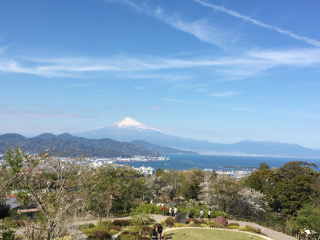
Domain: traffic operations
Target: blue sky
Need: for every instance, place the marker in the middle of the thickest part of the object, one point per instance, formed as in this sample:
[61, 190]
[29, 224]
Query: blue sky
[222, 71]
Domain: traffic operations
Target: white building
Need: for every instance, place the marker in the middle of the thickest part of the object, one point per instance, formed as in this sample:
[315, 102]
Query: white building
[146, 170]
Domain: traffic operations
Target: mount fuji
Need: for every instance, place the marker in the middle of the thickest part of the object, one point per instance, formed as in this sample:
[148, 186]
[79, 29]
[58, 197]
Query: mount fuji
[130, 130]
[126, 130]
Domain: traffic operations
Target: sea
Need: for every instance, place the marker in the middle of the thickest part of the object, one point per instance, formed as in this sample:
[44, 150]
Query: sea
[218, 162]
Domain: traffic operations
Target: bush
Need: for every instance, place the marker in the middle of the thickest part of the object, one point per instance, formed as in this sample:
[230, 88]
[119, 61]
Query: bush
[179, 225]
[219, 213]
[101, 235]
[8, 235]
[114, 227]
[121, 222]
[149, 208]
[196, 221]
[214, 224]
[104, 223]
[86, 226]
[233, 226]
[146, 231]
[250, 229]
[242, 228]
[20, 223]
[169, 221]
[221, 220]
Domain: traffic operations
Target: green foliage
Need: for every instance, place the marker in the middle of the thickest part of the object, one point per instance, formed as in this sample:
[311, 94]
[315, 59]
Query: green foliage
[148, 208]
[14, 159]
[216, 214]
[8, 234]
[248, 228]
[233, 225]
[101, 235]
[115, 189]
[169, 221]
[309, 218]
[179, 225]
[191, 184]
[103, 230]
[122, 222]
[214, 225]
[288, 188]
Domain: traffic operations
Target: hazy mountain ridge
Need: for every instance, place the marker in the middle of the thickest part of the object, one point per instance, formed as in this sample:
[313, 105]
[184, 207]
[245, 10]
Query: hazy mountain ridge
[161, 149]
[130, 132]
[69, 145]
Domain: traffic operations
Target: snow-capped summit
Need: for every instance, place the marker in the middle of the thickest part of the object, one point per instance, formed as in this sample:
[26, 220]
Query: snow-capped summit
[128, 122]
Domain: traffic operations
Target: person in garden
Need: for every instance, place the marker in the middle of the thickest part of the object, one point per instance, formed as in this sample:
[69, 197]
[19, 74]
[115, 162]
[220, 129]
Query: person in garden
[159, 231]
[175, 211]
[170, 211]
[209, 214]
[164, 210]
[154, 232]
[201, 214]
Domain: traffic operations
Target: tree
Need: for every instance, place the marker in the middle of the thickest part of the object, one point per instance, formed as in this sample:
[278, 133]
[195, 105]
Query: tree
[58, 195]
[140, 219]
[293, 188]
[309, 218]
[220, 192]
[191, 184]
[248, 203]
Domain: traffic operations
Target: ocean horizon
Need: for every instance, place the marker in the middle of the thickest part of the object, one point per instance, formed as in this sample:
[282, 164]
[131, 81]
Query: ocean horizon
[219, 162]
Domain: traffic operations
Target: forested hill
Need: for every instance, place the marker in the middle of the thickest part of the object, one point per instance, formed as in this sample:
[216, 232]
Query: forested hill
[69, 145]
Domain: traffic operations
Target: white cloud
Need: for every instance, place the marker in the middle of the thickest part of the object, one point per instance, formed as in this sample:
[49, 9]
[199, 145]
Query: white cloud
[224, 94]
[256, 22]
[300, 57]
[235, 67]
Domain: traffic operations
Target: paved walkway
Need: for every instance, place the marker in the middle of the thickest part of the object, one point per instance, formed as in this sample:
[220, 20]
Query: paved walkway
[269, 232]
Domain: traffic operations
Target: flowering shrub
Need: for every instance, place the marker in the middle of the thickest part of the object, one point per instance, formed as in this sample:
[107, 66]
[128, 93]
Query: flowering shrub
[221, 220]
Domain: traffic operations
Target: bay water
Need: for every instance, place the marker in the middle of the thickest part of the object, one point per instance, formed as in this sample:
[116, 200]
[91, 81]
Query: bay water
[218, 162]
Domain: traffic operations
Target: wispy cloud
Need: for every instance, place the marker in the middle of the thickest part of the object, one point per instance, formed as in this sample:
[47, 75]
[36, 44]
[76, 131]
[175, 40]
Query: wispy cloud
[154, 107]
[40, 111]
[175, 100]
[256, 22]
[224, 94]
[157, 67]
[201, 29]
[295, 57]
[81, 85]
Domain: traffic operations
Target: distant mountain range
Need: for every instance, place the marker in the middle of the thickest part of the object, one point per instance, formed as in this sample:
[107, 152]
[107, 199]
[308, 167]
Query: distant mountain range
[129, 137]
[130, 130]
[68, 145]
[157, 148]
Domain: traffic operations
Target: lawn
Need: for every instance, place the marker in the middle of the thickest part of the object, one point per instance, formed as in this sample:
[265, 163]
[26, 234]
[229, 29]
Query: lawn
[208, 234]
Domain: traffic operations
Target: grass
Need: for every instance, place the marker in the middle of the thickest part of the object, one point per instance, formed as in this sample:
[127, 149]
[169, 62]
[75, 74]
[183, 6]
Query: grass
[208, 234]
